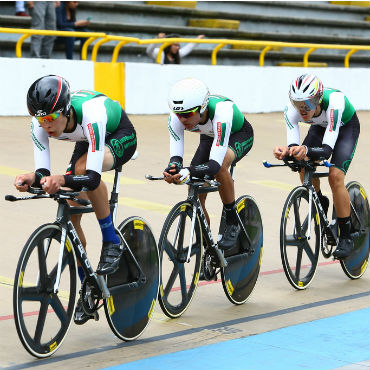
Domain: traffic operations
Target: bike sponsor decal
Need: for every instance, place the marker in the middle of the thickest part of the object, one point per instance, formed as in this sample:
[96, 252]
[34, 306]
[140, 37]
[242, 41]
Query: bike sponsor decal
[196, 279]
[240, 206]
[363, 267]
[261, 253]
[53, 346]
[139, 225]
[20, 283]
[230, 287]
[68, 245]
[111, 308]
[151, 309]
[362, 192]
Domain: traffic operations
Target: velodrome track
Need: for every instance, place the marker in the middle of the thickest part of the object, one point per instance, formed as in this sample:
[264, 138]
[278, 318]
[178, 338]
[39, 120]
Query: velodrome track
[324, 327]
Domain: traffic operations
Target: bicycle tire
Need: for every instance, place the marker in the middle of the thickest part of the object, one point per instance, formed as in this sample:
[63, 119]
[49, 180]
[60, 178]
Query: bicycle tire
[131, 304]
[175, 299]
[354, 266]
[240, 275]
[298, 253]
[33, 292]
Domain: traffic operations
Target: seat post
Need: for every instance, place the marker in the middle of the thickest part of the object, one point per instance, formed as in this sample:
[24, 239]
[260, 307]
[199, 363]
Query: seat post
[113, 202]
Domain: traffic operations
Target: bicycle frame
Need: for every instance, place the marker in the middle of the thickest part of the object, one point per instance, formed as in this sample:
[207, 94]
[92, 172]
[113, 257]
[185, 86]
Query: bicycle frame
[193, 198]
[67, 228]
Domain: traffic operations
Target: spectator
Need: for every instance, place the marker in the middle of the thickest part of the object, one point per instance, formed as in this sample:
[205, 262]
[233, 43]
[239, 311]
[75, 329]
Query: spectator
[43, 18]
[20, 9]
[173, 53]
[66, 21]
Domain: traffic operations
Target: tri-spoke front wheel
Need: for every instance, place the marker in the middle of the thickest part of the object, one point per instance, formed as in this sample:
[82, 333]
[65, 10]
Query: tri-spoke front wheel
[179, 278]
[42, 315]
[300, 238]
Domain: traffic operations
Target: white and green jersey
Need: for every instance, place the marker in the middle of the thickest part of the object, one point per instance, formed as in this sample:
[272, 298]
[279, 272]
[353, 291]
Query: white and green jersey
[97, 116]
[224, 118]
[336, 112]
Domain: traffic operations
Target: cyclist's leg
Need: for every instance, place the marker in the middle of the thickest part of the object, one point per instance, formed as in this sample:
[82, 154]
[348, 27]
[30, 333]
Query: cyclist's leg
[343, 153]
[314, 139]
[240, 144]
[201, 156]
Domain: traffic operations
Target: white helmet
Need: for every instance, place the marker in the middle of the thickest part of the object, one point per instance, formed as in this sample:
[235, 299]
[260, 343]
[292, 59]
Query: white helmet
[188, 94]
[308, 89]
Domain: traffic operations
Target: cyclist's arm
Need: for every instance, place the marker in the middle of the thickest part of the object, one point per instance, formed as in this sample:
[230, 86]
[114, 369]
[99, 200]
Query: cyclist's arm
[176, 132]
[41, 152]
[222, 124]
[95, 134]
[292, 117]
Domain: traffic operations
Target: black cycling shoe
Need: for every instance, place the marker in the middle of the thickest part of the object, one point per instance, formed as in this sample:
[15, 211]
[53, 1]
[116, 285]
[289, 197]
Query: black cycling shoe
[109, 259]
[80, 316]
[344, 249]
[324, 200]
[229, 237]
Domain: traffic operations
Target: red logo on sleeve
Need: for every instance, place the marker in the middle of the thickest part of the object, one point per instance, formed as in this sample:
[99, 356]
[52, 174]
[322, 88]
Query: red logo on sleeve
[331, 120]
[219, 133]
[92, 137]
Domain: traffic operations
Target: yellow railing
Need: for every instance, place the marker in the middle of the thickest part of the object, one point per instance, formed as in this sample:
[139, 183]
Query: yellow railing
[266, 45]
[220, 43]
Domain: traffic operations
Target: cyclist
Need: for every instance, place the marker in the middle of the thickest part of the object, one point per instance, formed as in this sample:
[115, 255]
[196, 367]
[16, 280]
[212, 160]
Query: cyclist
[225, 138]
[334, 132]
[105, 139]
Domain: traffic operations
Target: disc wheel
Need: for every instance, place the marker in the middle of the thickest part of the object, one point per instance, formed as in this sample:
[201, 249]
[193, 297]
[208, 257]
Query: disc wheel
[179, 278]
[43, 317]
[133, 292]
[240, 275]
[299, 254]
[355, 265]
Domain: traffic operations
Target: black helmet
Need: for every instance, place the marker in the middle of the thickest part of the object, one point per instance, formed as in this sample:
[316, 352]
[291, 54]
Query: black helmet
[47, 95]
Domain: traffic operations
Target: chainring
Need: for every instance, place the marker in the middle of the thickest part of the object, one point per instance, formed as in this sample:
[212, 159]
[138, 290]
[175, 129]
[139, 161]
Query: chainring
[90, 296]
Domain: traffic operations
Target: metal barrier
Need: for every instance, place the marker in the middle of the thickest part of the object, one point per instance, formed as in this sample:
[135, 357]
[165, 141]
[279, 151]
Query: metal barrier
[220, 43]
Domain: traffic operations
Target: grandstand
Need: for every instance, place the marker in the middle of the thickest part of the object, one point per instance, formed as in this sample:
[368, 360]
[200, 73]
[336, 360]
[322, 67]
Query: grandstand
[301, 22]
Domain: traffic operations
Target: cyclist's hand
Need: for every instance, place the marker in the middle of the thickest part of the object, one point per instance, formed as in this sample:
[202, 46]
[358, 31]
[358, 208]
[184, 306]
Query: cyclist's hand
[51, 184]
[24, 181]
[172, 169]
[298, 152]
[168, 177]
[183, 177]
[280, 152]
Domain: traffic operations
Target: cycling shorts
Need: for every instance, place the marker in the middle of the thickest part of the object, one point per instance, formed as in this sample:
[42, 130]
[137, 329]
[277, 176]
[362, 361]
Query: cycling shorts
[240, 143]
[345, 145]
[122, 144]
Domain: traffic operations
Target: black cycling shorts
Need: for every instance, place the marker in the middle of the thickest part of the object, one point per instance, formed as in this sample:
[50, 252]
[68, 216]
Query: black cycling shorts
[240, 143]
[122, 144]
[345, 145]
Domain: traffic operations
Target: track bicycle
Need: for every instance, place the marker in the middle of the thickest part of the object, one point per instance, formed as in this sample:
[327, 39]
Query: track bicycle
[45, 284]
[305, 228]
[188, 252]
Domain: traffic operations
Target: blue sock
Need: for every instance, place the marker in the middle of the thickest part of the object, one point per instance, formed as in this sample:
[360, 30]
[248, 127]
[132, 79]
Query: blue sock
[107, 230]
[81, 273]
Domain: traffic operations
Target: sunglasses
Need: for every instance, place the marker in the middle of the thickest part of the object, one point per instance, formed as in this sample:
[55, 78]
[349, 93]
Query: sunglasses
[187, 114]
[49, 118]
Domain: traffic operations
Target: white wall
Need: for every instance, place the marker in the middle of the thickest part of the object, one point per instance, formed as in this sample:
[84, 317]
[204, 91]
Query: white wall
[17, 75]
[253, 89]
